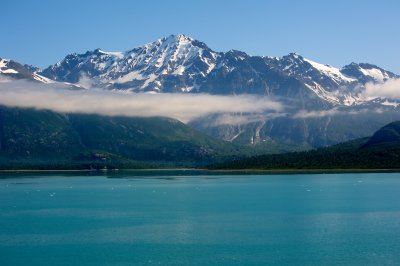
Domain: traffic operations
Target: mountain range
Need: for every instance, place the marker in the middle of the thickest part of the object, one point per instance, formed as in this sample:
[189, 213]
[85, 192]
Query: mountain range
[179, 63]
[326, 105]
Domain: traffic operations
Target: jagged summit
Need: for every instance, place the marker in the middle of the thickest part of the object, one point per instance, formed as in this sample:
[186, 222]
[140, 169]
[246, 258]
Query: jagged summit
[179, 63]
[13, 69]
[146, 68]
[174, 38]
[365, 72]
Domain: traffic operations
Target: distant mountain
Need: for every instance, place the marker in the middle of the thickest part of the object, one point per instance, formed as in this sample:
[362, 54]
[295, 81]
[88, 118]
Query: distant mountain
[334, 85]
[172, 64]
[180, 64]
[12, 69]
[381, 151]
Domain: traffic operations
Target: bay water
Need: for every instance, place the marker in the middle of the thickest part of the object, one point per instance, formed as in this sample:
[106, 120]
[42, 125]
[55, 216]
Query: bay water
[199, 218]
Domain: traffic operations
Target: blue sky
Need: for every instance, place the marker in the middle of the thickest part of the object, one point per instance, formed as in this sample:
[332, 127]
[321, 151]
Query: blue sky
[332, 32]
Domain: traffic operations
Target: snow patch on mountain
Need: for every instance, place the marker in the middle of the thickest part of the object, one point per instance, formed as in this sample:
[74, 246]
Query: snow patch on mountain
[151, 78]
[5, 69]
[330, 71]
[9, 71]
[42, 79]
[322, 93]
[376, 74]
[135, 75]
[115, 54]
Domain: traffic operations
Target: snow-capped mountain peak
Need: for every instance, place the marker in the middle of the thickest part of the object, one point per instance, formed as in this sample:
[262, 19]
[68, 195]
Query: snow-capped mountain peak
[178, 63]
[6, 67]
[172, 55]
[331, 72]
[339, 86]
[12, 69]
[368, 73]
[297, 66]
[146, 68]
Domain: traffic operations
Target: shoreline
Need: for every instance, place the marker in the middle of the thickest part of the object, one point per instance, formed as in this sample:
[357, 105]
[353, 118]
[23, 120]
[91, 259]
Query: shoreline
[211, 171]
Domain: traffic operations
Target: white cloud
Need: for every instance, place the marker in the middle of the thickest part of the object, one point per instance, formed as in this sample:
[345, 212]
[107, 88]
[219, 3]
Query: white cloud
[304, 114]
[184, 107]
[311, 114]
[85, 81]
[241, 119]
[389, 89]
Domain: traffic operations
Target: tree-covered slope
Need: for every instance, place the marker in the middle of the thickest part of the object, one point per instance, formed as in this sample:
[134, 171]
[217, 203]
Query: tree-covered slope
[52, 140]
[381, 151]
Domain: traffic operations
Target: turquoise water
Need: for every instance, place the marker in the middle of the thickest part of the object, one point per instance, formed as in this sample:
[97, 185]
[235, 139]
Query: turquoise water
[187, 218]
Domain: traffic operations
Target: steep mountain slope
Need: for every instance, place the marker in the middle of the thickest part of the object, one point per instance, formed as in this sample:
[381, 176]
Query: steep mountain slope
[171, 64]
[388, 135]
[47, 138]
[334, 85]
[12, 69]
[310, 132]
[381, 151]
